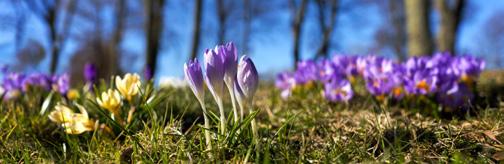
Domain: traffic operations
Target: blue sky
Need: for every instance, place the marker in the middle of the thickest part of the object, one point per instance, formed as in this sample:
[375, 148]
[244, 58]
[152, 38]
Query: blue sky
[272, 52]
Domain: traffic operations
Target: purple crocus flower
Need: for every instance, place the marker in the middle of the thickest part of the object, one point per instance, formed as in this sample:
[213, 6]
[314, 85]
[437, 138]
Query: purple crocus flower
[338, 91]
[307, 72]
[379, 86]
[440, 61]
[415, 63]
[247, 77]
[384, 78]
[61, 83]
[13, 81]
[194, 77]
[380, 68]
[214, 72]
[328, 70]
[36, 80]
[286, 83]
[447, 79]
[90, 73]
[361, 64]
[439, 75]
[148, 74]
[468, 68]
[421, 83]
[230, 57]
[469, 65]
[458, 96]
[420, 77]
[347, 64]
[12, 85]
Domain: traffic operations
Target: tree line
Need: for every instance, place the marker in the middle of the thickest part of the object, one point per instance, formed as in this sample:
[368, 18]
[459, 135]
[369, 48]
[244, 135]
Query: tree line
[407, 28]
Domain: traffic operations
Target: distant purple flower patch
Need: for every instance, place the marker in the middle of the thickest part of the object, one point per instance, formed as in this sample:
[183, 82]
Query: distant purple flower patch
[448, 78]
[15, 83]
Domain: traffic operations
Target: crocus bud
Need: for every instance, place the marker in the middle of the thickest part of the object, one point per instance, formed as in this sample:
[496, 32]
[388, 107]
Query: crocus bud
[148, 74]
[247, 77]
[129, 85]
[230, 62]
[73, 94]
[90, 73]
[110, 100]
[214, 72]
[194, 77]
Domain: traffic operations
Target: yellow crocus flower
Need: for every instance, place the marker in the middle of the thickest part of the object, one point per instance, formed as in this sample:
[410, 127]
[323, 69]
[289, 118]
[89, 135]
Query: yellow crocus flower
[110, 100]
[129, 85]
[61, 114]
[73, 123]
[73, 94]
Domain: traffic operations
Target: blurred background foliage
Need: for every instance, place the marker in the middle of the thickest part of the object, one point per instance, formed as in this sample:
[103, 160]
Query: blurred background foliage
[160, 35]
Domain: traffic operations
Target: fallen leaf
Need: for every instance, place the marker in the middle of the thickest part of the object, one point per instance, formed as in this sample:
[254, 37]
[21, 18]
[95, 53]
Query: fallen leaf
[498, 156]
[491, 135]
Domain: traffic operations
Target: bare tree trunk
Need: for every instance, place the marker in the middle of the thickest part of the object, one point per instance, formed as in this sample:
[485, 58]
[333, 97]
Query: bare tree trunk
[326, 27]
[48, 12]
[198, 12]
[398, 22]
[51, 22]
[247, 26]
[120, 16]
[450, 20]
[222, 16]
[154, 26]
[297, 24]
[419, 34]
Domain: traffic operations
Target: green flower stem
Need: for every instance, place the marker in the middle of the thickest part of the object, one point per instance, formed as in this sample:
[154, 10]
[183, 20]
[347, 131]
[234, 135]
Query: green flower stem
[240, 105]
[253, 122]
[222, 117]
[233, 101]
[207, 126]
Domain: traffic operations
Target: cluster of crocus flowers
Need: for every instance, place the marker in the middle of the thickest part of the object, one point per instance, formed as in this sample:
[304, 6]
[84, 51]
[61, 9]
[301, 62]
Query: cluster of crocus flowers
[15, 84]
[111, 100]
[222, 70]
[72, 123]
[448, 79]
[127, 88]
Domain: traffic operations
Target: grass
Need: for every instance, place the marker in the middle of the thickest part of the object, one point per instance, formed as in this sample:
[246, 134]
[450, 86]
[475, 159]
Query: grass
[303, 129]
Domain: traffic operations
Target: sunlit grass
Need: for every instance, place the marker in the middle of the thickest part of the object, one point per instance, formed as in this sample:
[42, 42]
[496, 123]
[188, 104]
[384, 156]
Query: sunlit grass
[298, 130]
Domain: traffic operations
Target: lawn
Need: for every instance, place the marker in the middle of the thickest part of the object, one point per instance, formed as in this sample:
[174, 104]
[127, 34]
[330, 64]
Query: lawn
[297, 130]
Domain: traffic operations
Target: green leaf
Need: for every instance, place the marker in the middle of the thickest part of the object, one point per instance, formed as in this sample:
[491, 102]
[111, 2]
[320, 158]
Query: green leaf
[46, 103]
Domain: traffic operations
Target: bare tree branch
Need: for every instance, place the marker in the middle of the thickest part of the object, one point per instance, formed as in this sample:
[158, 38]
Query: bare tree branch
[198, 12]
[327, 23]
[297, 24]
